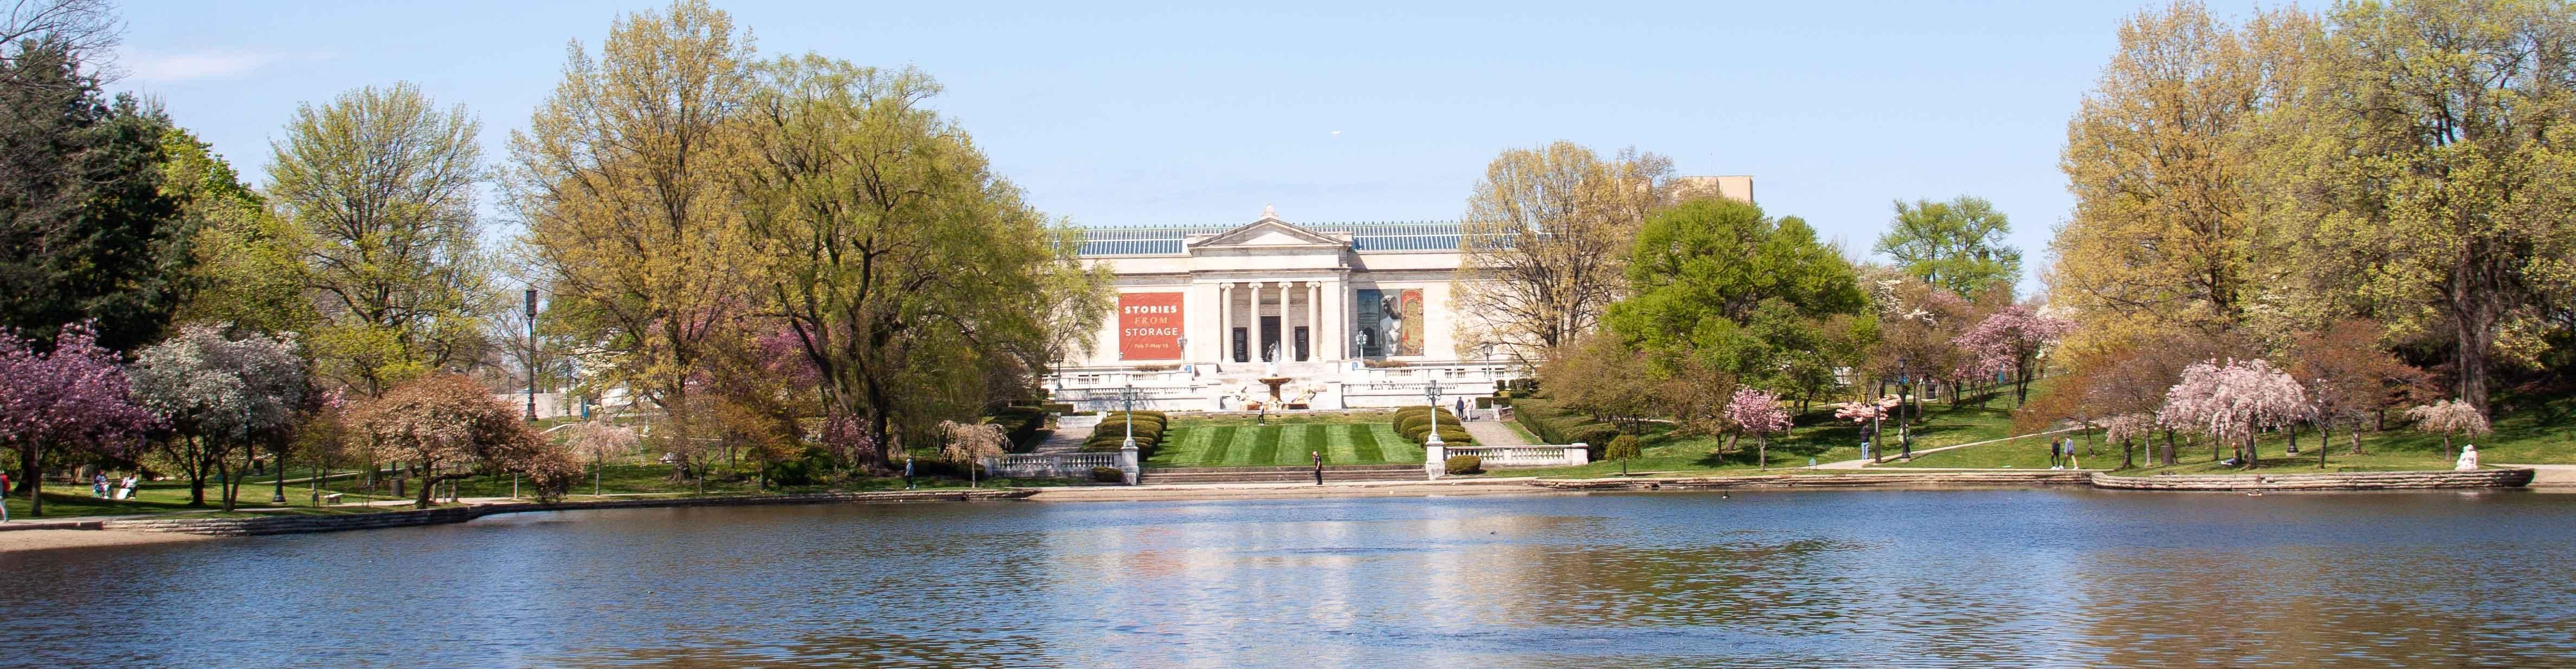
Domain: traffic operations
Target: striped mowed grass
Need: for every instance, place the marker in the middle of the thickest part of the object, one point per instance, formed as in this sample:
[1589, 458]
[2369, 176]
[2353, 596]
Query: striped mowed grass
[1284, 445]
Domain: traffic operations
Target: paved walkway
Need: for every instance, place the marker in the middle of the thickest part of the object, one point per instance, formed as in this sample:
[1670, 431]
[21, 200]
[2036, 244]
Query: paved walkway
[2547, 475]
[1494, 433]
[1062, 441]
[1865, 462]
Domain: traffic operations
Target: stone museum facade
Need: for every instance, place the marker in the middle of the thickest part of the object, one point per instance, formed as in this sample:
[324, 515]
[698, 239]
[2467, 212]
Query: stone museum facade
[1278, 315]
[1332, 315]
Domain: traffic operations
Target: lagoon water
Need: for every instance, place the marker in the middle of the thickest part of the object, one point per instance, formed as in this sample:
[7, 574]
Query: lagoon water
[1840, 578]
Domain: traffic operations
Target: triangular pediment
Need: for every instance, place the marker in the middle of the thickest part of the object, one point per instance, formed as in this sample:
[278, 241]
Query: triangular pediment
[1269, 231]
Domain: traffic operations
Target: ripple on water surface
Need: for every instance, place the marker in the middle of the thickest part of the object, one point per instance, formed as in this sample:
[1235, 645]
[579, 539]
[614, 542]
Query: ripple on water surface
[1844, 578]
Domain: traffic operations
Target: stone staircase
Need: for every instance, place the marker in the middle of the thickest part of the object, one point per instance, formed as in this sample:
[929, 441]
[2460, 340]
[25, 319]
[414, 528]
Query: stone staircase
[1332, 474]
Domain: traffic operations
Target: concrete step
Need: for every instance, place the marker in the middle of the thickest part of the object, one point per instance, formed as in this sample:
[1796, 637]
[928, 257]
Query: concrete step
[1278, 474]
[1328, 469]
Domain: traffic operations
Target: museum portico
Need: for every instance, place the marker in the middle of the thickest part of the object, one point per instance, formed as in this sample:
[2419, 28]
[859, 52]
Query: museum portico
[1335, 315]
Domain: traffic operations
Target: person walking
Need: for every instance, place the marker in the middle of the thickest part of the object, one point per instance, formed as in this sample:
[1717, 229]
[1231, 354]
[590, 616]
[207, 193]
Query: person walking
[1319, 465]
[907, 472]
[2052, 453]
[4, 497]
[1462, 409]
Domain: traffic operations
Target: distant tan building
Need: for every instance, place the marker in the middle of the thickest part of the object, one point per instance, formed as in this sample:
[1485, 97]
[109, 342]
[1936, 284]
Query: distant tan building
[1737, 187]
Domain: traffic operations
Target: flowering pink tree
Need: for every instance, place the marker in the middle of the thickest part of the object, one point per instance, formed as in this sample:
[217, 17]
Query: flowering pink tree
[2126, 428]
[1866, 412]
[2449, 417]
[596, 442]
[1760, 413]
[73, 397]
[2233, 402]
[2009, 342]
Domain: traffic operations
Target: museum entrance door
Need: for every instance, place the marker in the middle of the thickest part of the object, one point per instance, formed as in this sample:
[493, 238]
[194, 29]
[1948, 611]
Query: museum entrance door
[1269, 337]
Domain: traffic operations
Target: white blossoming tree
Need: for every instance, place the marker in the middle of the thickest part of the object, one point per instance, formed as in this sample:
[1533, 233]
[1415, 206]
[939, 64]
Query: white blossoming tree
[2449, 417]
[221, 396]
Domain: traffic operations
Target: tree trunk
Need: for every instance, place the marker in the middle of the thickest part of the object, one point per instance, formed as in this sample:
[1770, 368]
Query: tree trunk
[2446, 445]
[1763, 445]
[224, 483]
[2356, 438]
[30, 480]
[2473, 307]
[2293, 429]
[196, 473]
[2250, 455]
[2125, 460]
[2325, 442]
[2170, 458]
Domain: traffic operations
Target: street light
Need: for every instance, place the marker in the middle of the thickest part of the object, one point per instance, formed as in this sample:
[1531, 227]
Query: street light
[1904, 433]
[1433, 392]
[1127, 403]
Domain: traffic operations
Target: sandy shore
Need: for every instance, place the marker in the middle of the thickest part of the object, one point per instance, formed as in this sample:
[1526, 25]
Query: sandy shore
[37, 540]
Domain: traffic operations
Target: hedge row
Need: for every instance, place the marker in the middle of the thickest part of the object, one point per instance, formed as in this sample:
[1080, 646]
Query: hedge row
[1024, 425]
[1561, 427]
[1111, 435]
[1415, 424]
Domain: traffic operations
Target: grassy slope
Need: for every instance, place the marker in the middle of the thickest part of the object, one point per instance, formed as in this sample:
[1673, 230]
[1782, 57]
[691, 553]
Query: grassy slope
[1817, 435]
[2538, 429]
[1234, 441]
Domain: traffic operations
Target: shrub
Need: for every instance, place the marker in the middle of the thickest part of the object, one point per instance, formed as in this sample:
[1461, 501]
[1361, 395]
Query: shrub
[1463, 464]
[1057, 407]
[1595, 439]
[1622, 448]
[1108, 475]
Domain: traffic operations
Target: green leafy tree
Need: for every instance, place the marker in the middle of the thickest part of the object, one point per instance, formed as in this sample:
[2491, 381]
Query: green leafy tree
[1959, 245]
[1545, 239]
[1749, 296]
[382, 181]
[622, 177]
[908, 271]
[2420, 173]
[86, 233]
[247, 263]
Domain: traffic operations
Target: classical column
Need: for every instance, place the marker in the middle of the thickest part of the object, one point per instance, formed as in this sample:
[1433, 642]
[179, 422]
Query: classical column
[1314, 320]
[1224, 330]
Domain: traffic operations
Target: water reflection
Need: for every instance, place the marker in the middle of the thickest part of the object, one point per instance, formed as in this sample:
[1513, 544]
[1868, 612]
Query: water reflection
[1912, 578]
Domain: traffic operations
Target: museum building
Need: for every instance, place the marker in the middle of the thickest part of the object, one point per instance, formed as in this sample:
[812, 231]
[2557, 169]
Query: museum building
[1272, 314]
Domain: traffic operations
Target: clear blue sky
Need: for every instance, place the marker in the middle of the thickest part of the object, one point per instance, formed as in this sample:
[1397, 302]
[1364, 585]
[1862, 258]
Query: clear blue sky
[1116, 115]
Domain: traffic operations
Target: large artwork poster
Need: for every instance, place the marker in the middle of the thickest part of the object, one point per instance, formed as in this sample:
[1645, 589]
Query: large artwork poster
[1149, 326]
[1390, 321]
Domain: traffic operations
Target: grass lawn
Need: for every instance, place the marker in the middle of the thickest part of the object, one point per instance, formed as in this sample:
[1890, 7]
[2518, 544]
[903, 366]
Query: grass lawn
[1817, 436]
[1231, 442]
[2535, 429]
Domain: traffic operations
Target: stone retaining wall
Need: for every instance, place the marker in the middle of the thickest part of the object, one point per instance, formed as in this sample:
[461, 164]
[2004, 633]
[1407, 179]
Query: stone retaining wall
[1825, 480]
[2484, 478]
[291, 524]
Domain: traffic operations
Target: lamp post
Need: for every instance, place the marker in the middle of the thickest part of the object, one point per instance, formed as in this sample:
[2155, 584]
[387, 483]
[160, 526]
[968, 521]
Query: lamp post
[1127, 406]
[1904, 433]
[532, 359]
[1433, 392]
[1127, 465]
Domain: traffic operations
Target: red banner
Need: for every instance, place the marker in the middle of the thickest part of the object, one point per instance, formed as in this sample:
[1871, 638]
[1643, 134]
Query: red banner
[1149, 326]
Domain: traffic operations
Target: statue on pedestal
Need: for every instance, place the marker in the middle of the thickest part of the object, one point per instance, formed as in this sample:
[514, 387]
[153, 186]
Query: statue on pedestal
[1270, 361]
[2468, 459]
